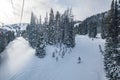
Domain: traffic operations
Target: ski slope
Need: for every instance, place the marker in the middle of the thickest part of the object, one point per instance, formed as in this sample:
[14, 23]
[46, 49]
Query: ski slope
[21, 63]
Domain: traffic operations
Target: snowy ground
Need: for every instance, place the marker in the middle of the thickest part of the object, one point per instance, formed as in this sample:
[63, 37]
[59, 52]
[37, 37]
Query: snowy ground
[21, 64]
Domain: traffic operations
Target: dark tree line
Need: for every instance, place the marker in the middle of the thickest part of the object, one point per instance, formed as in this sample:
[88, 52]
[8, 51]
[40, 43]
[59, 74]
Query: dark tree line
[112, 52]
[91, 26]
[5, 38]
[95, 24]
[55, 30]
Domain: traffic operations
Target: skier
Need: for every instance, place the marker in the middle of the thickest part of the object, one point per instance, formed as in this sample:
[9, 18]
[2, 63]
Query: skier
[56, 58]
[79, 60]
[53, 55]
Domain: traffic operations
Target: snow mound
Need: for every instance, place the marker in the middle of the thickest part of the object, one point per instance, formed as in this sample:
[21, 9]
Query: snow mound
[16, 55]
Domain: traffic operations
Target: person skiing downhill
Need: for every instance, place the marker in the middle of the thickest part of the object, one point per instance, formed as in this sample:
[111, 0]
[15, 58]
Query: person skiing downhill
[79, 60]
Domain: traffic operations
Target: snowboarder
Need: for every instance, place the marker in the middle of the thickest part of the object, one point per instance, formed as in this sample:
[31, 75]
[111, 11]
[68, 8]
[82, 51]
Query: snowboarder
[79, 60]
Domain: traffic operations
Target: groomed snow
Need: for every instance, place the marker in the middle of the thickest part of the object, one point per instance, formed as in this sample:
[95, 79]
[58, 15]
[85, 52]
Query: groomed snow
[22, 64]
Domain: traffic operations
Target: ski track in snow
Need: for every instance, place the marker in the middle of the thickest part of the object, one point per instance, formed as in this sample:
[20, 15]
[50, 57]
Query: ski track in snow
[22, 64]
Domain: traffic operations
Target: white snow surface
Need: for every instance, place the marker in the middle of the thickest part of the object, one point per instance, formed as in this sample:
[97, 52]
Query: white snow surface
[22, 64]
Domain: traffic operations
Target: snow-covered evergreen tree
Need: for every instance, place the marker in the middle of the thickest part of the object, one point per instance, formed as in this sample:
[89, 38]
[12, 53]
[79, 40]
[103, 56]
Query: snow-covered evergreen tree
[104, 27]
[51, 28]
[119, 13]
[5, 38]
[68, 25]
[32, 31]
[40, 47]
[57, 28]
[112, 54]
[46, 29]
[92, 30]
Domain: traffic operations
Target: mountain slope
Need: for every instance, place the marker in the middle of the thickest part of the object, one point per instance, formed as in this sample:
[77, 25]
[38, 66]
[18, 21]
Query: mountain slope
[95, 21]
[23, 65]
[15, 27]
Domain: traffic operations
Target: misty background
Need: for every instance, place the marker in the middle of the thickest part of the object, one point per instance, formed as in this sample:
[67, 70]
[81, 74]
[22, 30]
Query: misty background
[10, 10]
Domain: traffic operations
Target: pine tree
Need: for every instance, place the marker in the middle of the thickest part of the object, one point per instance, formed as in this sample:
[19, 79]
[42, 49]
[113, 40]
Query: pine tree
[32, 31]
[93, 30]
[5, 38]
[119, 14]
[51, 19]
[40, 47]
[57, 28]
[40, 21]
[112, 55]
[104, 27]
[51, 29]
[46, 29]
[69, 37]
[33, 19]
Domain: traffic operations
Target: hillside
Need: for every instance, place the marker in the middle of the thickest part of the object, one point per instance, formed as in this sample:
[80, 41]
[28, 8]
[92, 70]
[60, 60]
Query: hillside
[22, 64]
[15, 27]
[91, 22]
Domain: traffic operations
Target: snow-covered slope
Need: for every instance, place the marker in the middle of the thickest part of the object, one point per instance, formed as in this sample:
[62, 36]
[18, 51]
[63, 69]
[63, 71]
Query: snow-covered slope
[22, 64]
[15, 27]
[97, 19]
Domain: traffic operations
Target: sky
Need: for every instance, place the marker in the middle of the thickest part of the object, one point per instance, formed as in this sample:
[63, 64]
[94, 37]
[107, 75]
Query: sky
[10, 10]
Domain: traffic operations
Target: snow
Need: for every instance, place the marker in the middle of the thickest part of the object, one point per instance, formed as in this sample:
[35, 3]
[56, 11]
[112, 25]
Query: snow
[16, 54]
[77, 24]
[15, 27]
[98, 35]
[22, 64]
